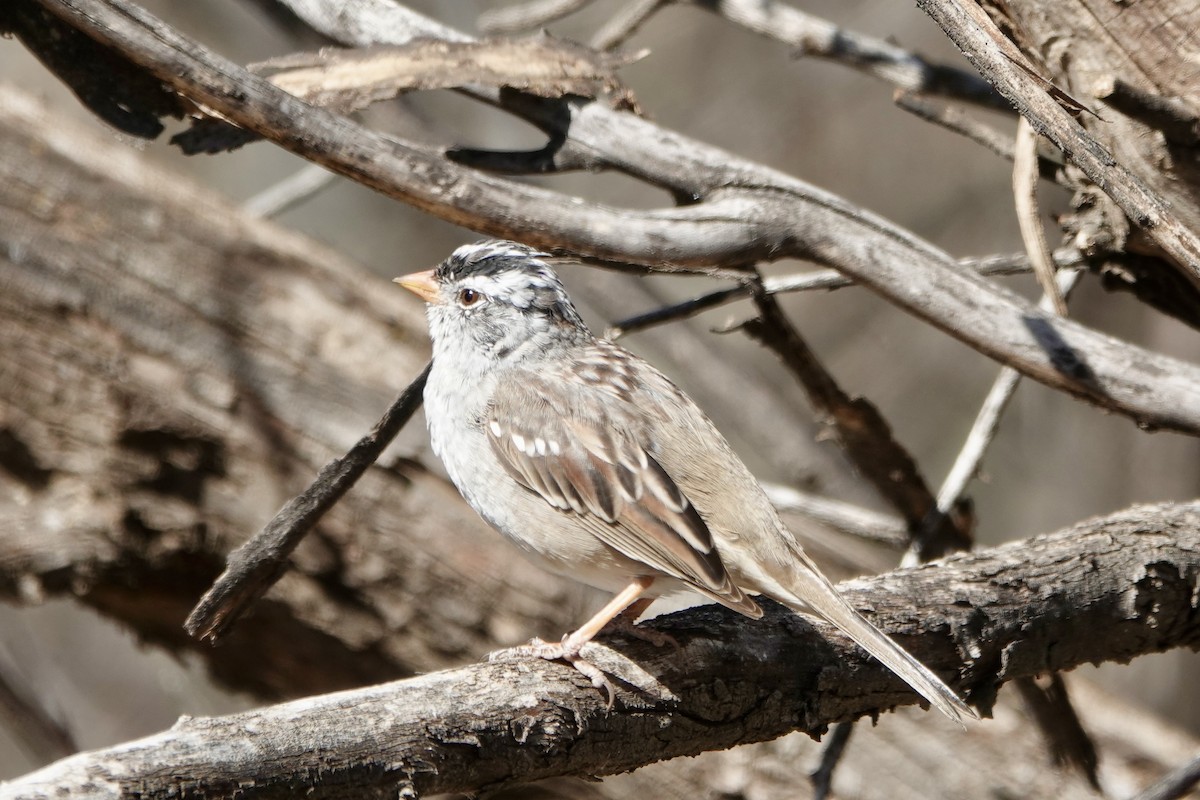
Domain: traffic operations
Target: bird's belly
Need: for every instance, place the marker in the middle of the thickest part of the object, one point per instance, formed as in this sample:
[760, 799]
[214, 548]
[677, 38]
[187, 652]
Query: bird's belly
[548, 538]
[544, 533]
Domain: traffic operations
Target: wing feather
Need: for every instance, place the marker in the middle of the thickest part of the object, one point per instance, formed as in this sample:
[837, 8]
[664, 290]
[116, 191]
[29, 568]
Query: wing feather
[585, 455]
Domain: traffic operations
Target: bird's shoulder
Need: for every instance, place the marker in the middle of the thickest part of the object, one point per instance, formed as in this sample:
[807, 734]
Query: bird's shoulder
[597, 381]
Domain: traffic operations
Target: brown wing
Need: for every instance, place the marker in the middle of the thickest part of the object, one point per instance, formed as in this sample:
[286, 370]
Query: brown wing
[583, 454]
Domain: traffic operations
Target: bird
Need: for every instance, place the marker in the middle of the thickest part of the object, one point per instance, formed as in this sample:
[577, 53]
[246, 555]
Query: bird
[600, 468]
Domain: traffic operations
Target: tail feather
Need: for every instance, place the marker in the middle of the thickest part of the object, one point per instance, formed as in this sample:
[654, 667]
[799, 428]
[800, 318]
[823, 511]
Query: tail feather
[817, 594]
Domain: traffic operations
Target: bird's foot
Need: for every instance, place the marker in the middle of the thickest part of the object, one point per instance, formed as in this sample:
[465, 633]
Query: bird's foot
[596, 662]
[567, 650]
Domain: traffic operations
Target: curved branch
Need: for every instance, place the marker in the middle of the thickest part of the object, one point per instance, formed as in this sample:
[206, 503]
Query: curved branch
[1015, 611]
[745, 212]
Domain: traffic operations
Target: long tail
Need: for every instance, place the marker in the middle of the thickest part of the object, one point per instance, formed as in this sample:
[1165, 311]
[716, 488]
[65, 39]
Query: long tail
[809, 590]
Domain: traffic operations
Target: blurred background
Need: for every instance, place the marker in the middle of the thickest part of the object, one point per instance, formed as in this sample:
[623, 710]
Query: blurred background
[1056, 460]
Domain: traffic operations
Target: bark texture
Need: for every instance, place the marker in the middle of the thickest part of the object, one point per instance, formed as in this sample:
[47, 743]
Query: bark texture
[173, 372]
[1126, 57]
[75, 210]
[1029, 607]
[177, 372]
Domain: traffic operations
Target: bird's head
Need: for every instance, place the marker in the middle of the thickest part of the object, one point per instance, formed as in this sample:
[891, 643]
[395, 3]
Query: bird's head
[499, 300]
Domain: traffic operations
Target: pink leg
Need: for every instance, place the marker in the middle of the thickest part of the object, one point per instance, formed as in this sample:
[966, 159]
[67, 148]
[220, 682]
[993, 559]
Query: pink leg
[628, 599]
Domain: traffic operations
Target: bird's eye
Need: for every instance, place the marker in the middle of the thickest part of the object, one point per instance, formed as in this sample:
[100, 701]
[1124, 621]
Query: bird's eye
[468, 297]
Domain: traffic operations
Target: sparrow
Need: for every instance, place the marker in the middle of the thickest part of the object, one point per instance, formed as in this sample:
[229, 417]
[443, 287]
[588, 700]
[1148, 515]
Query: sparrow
[597, 466]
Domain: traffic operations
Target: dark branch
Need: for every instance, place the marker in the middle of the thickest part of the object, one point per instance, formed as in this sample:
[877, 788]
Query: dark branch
[256, 565]
[1070, 744]
[831, 755]
[863, 433]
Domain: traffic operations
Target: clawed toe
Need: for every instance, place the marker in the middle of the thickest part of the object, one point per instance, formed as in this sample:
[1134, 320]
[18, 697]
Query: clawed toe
[567, 651]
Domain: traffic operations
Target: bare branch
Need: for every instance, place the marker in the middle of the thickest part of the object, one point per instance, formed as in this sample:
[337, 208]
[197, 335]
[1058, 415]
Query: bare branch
[845, 517]
[987, 48]
[1011, 612]
[748, 213]
[1029, 219]
[36, 730]
[863, 433]
[1070, 745]
[831, 755]
[813, 36]
[528, 15]
[956, 120]
[292, 190]
[987, 421]
[810, 35]
[256, 565]
[826, 279]
[626, 22]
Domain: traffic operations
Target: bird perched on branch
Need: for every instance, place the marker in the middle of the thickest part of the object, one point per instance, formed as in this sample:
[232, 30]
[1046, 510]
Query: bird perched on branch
[599, 467]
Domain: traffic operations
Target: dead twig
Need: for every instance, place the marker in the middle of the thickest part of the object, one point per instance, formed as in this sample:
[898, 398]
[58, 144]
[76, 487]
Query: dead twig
[844, 517]
[956, 120]
[860, 429]
[252, 568]
[814, 37]
[1025, 185]
[626, 22]
[831, 754]
[291, 191]
[987, 422]
[824, 279]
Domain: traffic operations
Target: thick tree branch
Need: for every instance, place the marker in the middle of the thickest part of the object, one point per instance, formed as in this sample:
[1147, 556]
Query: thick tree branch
[746, 212]
[1001, 62]
[1029, 607]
